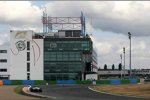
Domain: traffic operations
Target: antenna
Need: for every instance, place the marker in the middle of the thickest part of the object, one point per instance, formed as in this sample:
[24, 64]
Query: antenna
[44, 20]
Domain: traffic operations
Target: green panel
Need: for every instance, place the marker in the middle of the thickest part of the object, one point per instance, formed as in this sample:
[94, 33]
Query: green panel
[40, 82]
[103, 82]
[125, 81]
[16, 82]
[84, 82]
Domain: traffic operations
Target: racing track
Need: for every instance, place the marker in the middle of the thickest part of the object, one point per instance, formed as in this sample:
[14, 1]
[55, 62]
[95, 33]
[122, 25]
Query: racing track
[80, 92]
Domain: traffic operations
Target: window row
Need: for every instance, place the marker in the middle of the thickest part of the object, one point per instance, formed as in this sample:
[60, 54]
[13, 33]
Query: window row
[62, 56]
[61, 76]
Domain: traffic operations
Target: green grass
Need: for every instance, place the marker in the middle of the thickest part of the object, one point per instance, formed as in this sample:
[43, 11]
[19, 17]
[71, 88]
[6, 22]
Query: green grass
[19, 88]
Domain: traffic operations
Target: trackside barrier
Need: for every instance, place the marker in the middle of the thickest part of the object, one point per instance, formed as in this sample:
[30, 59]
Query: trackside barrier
[40, 82]
[1, 83]
[7, 82]
[69, 82]
[125, 81]
[133, 81]
[16, 82]
[115, 82]
[28, 82]
[103, 82]
[84, 82]
[66, 82]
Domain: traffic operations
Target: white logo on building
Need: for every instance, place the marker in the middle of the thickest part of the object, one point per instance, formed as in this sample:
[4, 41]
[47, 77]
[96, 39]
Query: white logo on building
[20, 45]
[21, 34]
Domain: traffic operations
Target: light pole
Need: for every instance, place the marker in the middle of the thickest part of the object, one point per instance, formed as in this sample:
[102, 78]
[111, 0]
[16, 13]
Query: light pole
[121, 58]
[121, 64]
[124, 61]
[129, 34]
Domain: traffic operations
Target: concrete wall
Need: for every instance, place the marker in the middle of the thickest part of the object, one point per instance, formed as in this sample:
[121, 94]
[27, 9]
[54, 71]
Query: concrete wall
[91, 76]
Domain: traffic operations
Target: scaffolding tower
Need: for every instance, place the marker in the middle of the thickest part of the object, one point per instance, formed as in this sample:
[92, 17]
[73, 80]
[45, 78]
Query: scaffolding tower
[53, 24]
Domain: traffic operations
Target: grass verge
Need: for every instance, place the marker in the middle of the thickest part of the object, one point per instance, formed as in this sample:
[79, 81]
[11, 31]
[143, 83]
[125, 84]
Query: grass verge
[136, 90]
[19, 90]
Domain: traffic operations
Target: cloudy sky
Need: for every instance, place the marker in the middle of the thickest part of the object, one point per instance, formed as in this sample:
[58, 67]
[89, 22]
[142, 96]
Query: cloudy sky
[108, 21]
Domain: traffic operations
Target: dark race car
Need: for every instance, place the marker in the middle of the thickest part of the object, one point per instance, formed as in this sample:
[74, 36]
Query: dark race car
[35, 89]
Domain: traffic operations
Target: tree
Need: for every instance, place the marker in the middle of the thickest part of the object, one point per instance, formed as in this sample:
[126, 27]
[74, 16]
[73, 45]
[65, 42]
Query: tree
[113, 67]
[105, 67]
[120, 66]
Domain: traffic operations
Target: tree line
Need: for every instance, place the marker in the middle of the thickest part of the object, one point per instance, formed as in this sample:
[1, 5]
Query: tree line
[113, 67]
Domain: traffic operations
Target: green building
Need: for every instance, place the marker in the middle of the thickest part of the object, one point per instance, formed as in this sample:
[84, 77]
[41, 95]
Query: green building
[68, 51]
[67, 58]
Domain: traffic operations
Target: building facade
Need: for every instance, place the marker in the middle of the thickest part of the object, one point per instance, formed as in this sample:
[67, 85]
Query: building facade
[26, 56]
[4, 62]
[63, 51]
[55, 56]
[116, 73]
[67, 58]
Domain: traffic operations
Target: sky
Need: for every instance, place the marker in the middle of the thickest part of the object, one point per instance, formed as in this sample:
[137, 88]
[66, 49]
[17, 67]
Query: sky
[107, 22]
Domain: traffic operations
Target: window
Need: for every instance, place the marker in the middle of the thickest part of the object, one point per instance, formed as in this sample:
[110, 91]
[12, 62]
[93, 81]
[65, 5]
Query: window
[28, 56]
[28, 45]
[28, 67]
[3, 60]
[3, 70]
[28, 76]
[3, 51]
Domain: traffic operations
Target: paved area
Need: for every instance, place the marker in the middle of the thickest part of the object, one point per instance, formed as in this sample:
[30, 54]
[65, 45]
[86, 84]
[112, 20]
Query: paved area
[7, 93]
[80, 92]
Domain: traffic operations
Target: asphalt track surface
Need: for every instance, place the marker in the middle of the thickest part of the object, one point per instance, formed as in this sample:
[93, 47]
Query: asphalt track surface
[80, 92]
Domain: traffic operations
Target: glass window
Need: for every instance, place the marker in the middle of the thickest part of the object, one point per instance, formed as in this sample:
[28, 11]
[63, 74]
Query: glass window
[28, 45]
[3, 51]
[3, 60]
[28, 56]
[28, 67]
[3, 70]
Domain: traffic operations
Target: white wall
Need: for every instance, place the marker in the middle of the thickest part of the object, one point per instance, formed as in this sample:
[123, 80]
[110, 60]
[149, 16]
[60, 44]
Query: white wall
[19, 61]
[5, 56]
[36, 70]
[91, 76]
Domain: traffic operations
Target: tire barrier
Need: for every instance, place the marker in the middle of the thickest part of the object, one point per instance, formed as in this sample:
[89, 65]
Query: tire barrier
[115, 82]
[103, 82]
[133, 81]
[125, 81]
[69, 82]
[84, 82]
[1, 83]
[16, 82]
[28, 82]
[59, 82]
[7, 82]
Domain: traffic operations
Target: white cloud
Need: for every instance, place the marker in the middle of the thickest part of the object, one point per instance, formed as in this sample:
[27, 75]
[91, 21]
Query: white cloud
[110, 16]
[20, 14]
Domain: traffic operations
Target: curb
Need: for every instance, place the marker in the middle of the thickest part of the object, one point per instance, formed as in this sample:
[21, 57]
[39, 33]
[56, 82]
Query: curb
[26, 91]
[116, 94]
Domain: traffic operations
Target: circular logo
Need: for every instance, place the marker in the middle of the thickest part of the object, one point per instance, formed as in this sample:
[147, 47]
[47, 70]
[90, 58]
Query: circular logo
[20, 45]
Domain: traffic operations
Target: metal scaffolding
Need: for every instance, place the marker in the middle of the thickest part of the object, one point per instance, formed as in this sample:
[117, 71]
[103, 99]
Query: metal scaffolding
[51, 24]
